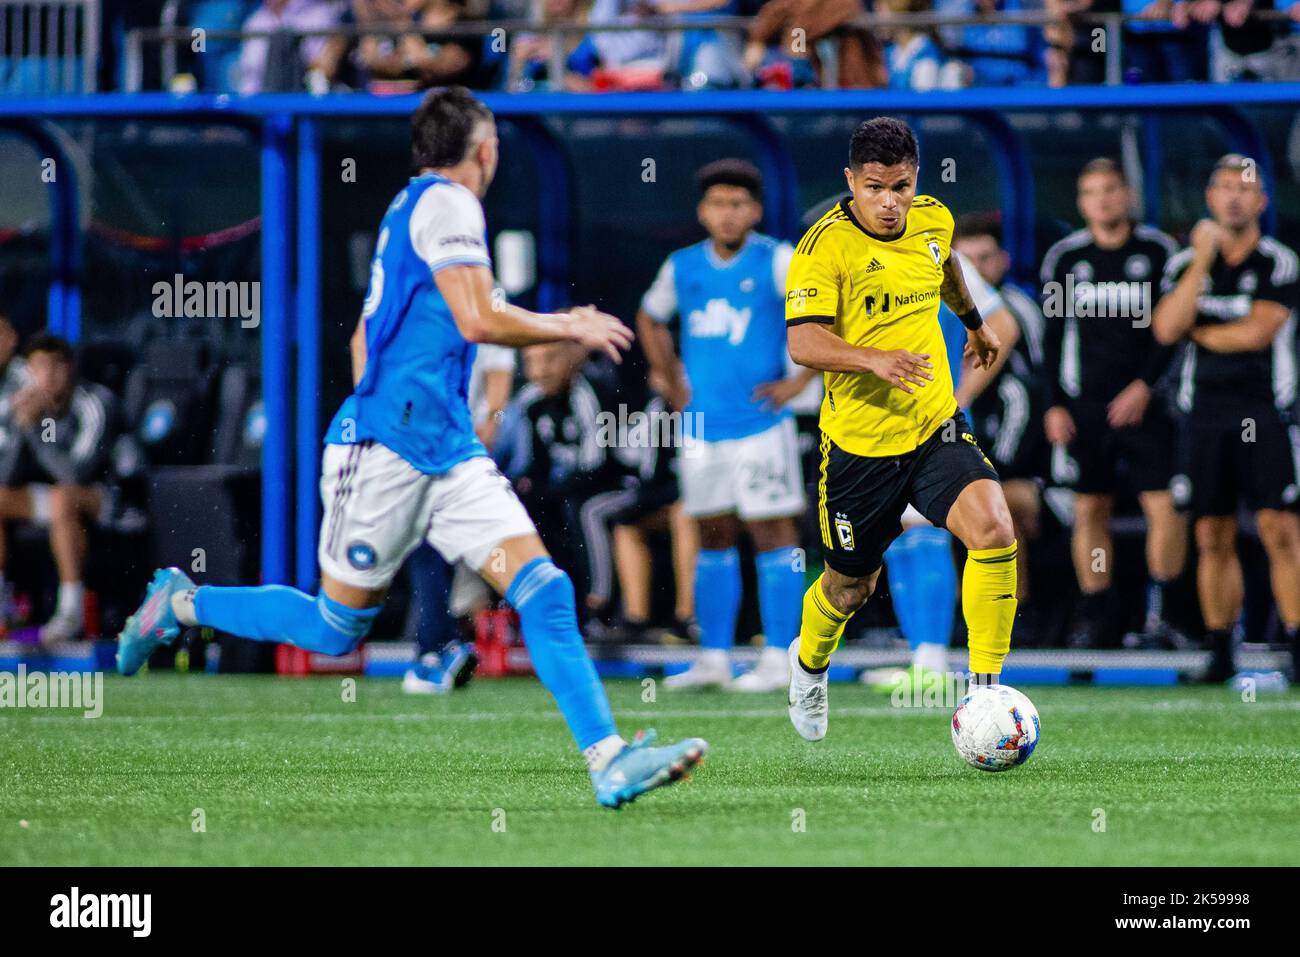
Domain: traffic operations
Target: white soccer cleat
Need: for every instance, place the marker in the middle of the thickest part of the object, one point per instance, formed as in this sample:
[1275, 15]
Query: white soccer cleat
[808, 708]
[712, 669]
[771, 673]
[61, 627]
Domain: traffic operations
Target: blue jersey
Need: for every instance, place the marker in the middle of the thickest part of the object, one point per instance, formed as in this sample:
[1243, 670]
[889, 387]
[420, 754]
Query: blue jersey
[413, 397]
[732, 316]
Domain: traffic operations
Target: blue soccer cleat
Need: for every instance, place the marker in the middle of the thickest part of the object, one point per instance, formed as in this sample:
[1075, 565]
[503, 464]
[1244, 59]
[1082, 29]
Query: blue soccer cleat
[154, 623]
[639, 768]
[436, 673]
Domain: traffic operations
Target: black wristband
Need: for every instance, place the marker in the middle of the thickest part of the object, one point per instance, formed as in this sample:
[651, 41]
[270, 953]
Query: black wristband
[972, 320]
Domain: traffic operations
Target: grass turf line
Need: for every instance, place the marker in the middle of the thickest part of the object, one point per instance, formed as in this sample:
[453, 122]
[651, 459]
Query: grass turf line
[287, 772]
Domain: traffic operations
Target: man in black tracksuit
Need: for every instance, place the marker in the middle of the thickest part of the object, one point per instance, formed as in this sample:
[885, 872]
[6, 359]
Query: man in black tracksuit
[1106, 418]
[1232, 294]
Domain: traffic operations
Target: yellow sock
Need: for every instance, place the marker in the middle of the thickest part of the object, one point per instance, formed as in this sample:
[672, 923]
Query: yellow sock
[820, 629]
[988, 602]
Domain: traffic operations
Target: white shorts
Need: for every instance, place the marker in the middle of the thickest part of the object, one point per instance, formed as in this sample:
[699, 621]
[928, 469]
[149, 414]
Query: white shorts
[378, 508]
[756, 477]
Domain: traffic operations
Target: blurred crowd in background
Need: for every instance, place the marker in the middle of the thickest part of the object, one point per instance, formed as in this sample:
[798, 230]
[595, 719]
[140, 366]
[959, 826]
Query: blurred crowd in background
[781, 44]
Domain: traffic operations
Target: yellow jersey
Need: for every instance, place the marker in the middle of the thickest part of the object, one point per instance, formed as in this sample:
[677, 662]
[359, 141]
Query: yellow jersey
[881, 293]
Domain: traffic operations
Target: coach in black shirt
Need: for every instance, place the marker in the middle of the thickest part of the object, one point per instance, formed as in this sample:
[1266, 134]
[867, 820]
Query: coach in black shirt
[1232, 294]
[1105, 419]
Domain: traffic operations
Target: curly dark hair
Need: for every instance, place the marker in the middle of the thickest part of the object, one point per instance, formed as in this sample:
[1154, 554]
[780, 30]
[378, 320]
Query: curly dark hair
[730, 172]
[884, 140]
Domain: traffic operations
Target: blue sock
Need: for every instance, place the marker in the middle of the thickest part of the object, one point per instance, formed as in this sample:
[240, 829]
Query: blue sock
[923, 584]
[543, 596]
[717, 596]
[780, 595]
[283, 614]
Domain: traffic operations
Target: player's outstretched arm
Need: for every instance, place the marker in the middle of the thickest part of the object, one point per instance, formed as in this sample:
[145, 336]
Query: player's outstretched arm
[481, 318]
[813, 345]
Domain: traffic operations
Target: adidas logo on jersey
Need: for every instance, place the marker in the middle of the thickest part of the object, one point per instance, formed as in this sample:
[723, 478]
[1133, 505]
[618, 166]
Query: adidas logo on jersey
[875, 265]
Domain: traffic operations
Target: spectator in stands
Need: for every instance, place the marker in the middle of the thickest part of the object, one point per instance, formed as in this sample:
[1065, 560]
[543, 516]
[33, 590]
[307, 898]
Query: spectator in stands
[550, 446]
[997, 54]
[54, 467]
[796, 27]
[530, 53]
[1074, 54]
[913, 55]
[1158, 50]
[286, 63]
[411, 61]
[1252, 48]
[703, 58]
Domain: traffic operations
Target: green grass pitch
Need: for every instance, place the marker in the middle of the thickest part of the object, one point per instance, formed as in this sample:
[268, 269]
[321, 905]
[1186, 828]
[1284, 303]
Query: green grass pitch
[285, 771]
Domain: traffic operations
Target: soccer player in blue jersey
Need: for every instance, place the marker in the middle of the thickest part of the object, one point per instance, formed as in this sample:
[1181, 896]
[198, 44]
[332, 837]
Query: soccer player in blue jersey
[402, 464]
[742, 463]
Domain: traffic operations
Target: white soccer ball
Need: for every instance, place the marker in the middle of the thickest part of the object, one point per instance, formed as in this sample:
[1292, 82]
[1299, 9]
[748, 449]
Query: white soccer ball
[995, 728]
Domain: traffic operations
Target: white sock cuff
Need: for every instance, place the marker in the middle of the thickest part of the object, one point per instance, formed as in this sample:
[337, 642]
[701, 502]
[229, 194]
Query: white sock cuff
[602, 752]
[40, 496]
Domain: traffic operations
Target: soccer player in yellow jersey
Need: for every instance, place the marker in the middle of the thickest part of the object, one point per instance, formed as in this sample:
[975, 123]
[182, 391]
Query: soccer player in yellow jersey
[862, 303]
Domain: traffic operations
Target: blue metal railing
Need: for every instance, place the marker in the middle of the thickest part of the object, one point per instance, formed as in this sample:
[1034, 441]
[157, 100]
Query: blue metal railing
[291, 213]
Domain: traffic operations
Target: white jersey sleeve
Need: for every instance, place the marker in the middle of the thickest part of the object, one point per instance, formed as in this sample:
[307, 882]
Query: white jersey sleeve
[781, 257]
[495, 358]
[987, 299]
[448, 229]
[660, 300]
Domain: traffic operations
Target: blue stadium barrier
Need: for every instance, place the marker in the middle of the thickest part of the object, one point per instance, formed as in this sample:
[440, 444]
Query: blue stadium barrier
[291, 145]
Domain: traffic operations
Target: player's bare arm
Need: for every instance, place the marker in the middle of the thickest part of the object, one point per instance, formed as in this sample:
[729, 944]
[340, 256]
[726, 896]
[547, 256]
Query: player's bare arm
[1257, 331]
[982, 343]
[357, 349]
[976, 379]
[1175, 314]
[813, 345]
[468, 292]
[781, 391]
[666, 373]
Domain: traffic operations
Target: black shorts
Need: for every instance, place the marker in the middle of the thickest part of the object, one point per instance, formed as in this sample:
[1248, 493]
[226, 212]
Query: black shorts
[1223, 464]
[1101, 458]
[861, 498]
[647, 498]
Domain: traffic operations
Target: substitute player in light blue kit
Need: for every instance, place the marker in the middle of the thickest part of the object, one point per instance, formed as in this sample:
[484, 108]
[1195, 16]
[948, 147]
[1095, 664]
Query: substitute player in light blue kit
[402, 463]
[742, 463]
